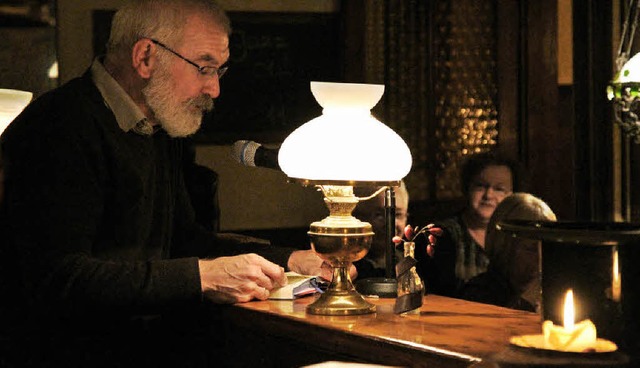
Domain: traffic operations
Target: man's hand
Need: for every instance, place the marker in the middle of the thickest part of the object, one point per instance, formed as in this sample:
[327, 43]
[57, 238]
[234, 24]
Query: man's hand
[240, 278]
[307, 262]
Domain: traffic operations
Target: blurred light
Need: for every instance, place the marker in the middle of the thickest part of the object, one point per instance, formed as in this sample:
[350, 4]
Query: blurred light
[12, 102]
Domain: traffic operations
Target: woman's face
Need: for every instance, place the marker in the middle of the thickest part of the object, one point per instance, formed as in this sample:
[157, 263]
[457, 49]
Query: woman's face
[488, 189]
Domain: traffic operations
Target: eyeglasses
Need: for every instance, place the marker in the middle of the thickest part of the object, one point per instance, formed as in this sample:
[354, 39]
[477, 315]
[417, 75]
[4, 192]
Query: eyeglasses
[497, 189]
[208, 71]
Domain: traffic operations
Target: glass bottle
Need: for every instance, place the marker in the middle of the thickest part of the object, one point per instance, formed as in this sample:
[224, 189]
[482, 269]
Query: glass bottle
[410, 286]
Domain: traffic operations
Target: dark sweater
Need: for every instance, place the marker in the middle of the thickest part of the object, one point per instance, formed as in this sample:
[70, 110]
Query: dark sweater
[492, 288]
[455, 248]
[97, 220]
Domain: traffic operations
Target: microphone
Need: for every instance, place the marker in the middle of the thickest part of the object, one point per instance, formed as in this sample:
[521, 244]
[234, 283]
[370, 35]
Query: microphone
[253, 154]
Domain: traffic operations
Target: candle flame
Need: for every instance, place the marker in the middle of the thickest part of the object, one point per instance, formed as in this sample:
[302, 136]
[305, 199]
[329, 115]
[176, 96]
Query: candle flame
[569, 313]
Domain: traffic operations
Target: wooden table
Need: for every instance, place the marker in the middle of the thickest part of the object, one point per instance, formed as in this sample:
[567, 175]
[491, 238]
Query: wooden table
[446, 333]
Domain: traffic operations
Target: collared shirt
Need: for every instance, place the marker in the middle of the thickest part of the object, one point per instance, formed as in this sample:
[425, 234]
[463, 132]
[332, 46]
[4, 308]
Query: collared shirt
[127, 113]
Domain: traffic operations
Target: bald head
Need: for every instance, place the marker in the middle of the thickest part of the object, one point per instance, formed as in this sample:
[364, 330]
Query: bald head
[516, 258]
[159, 19]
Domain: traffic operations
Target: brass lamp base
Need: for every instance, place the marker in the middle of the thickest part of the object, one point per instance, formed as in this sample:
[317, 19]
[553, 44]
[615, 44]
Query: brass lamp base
[341, 304]
[339, 240]
[341, 298]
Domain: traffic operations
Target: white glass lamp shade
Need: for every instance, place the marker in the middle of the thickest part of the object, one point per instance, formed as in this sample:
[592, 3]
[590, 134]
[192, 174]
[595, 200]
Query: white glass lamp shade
[345, 143]
[630, 72]
[12, 102]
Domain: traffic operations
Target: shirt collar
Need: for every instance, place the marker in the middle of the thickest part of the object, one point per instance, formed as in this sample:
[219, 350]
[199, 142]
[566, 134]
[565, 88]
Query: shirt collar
[127, 113]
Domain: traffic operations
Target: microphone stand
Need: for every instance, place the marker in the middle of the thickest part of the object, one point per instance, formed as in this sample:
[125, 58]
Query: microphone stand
[384, 287]
[390, 222]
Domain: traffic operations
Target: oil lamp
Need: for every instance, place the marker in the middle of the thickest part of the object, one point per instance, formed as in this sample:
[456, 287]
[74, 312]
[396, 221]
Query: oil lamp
[336, 151]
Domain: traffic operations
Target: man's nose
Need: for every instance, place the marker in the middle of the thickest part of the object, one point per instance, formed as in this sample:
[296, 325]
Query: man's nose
[489, 191]
[212, 87]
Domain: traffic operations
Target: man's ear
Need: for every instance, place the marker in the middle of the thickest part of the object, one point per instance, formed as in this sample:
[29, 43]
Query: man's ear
[143, 57]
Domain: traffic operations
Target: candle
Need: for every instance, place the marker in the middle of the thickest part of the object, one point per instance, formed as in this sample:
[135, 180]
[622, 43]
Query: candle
[575, 337]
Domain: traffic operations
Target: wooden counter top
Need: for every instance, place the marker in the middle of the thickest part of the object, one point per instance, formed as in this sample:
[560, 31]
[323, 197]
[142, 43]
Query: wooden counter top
[447, 333]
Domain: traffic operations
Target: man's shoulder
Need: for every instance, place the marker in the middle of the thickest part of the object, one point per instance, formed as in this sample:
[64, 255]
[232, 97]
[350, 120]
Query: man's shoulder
[79, 92]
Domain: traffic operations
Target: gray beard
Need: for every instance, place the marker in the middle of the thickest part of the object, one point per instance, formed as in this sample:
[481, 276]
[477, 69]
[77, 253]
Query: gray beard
[178, 119]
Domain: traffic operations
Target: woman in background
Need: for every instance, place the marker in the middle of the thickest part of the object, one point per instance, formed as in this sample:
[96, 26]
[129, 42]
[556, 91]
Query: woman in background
[486, 178]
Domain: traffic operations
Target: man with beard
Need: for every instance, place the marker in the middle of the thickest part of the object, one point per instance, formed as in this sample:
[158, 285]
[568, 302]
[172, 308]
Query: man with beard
[101, 239]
